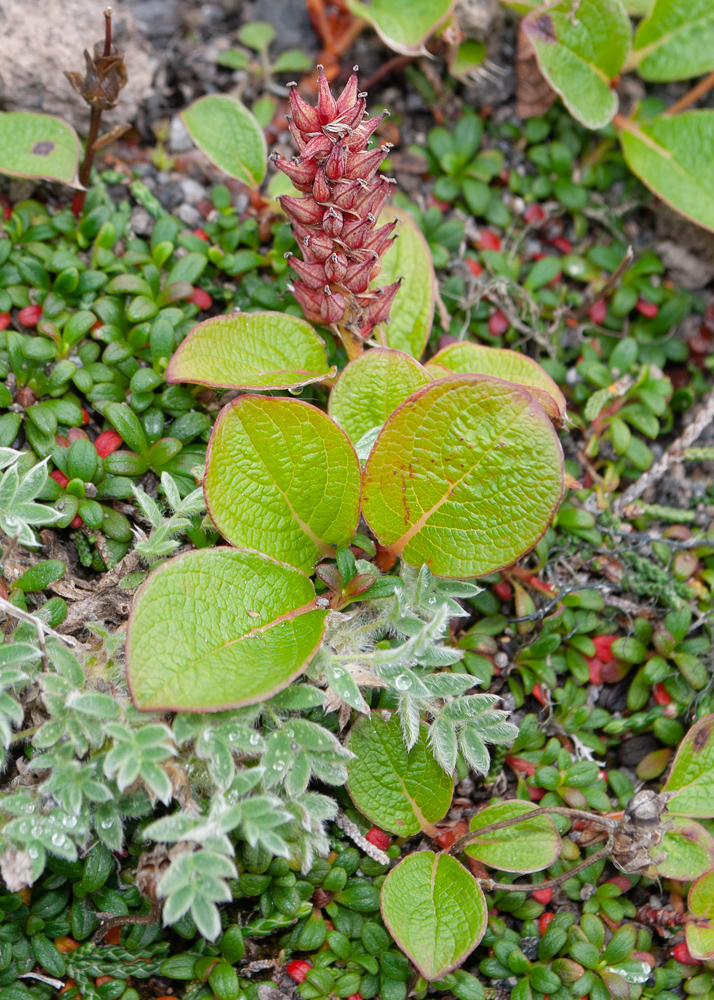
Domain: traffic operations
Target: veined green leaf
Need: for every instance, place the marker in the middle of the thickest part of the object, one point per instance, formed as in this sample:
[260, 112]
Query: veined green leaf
[227, 132]
[404, 25]
[412, 312]
[282, 478]
[692, 775]
[33, 145]
[675, 41]
[218, 628]
[267, 350]
[700, 903]
[465, 476]
[689, 849]
[435, 911]
[529, 846]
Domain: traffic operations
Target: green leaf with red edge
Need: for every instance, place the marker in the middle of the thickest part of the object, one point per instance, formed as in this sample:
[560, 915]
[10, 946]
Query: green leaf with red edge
[399, 790]
[580, 54]
[691, 779]
[412, 312]
[435, 911]
[219, 628]
[504, 364]
[229, 135]
[526, 847]
[465, 476]
[41, 146]
[404, 25]
[371, 387]
[265, 350]
[700, 932]
[675, 41]
[282, 478]
[689, 850]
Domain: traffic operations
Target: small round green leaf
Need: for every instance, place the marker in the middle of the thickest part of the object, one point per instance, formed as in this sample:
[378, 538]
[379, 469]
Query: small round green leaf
[435, 911]
[371, 387]
[219, 628]
[580, 55]
[692, 776]
[674, 157]
[267, 350]
[676, 40]
[34, 145]
[529, 846]
[412, 311]
[689, 850]
[226, 131]
[465, 476]
[282, 478]
[504, 364]
[700, 932]
[404, 27]
[399, 790]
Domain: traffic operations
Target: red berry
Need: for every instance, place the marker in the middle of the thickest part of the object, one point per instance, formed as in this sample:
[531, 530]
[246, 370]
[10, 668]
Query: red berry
[498, 323]
[5, 320]
[545, 919]
[603, 647]
[560, 243]
[683, 955]
[6, 212]
[595, 667]
[488, 240]
[379, 838]
[30, 315]
[661, 694]
[648, 309]
[355, 996]
[298, 969]
[85, 416]
[443, 206]
[107, 442]
[535, 794]
[202, 235]
[76, 522]
[202, 299]
[474, 267]
[504, 590]
[59, 477]
[598, 311]
[543, 896]
[534, 214]
[538, 694]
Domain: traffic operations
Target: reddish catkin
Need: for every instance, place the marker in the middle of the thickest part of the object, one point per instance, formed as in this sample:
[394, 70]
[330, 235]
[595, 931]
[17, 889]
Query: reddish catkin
[662, 919]
[335, 220]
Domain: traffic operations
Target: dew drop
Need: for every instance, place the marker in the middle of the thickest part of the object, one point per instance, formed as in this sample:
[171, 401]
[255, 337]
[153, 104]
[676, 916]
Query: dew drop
[69, 821]
[431, 600]
[106, 824]
[337, 672]
[24, 829]
[254, 740]
[290, 733]
[34, 853]
[403, 682]
[58, 839]
[278, 765]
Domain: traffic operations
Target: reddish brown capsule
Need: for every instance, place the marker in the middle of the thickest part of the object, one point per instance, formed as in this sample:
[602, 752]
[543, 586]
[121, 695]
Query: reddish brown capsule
[336, 267]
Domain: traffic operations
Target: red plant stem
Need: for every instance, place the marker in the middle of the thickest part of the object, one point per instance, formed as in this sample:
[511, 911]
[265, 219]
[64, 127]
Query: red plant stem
[692, 95]
[95, 120]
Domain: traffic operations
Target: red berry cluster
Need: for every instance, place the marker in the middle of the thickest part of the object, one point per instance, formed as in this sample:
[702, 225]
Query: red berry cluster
[334, 221]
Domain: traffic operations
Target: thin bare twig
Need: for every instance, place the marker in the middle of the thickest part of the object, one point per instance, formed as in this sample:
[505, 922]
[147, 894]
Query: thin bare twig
[703, 87]
[610, 283]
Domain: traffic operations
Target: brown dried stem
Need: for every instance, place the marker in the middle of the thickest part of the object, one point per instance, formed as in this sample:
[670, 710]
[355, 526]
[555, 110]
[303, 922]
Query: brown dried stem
[702, 88]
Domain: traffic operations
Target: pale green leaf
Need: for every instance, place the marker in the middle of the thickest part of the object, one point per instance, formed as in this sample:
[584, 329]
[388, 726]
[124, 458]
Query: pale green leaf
[412, 312]
[465, 476]
[435, 911]
[398, 790]
[692, 776]
[219, 628]
[700, 931]
[529, 846]
[580, 51]
[689, 849]
[404, 25]
[227, 132]
[33, 145]
[282, 478]
[675, 41]
[266, 350]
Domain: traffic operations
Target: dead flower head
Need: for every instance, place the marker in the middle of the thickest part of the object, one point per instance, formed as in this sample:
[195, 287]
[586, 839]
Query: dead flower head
[104, 78]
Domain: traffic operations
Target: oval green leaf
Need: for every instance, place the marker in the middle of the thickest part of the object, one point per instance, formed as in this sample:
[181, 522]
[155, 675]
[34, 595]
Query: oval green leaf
[675, 41]
[507, 365]
[399, 790]
[404, 25]
[700, 932]
[691, 779]
[674, 158]
[529, 846]
[219, 628]
[412, 312]
[371, 387]
[580, 55]
[435, 911]
[34, 145]
[282, 478]
[229, 135]
[465, 476]
[689, 849]
[266, 350]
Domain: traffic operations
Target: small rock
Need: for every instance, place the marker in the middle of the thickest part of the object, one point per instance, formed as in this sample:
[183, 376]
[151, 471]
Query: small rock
[160, 19]
[291, 21]
[632, 751]
[179, 139]
[189, 215]
[480, 19]
[193, 192]
[141, 222]
[687, 269]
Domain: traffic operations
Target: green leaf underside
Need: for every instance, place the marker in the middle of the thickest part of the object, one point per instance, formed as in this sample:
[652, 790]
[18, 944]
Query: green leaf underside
[689, 849]
[371, 387]
[398, 790]
[282, 478]
[465, 476]
[580, 52]
[435, 911]
[692, 774]
[700, 903]
[226, 131]
[673, 157]
[219, 628]
[412, 312]
[34, 145]
[403, 25]
[267, 350]
[527, 847]
[676, 40]
[510, 366]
